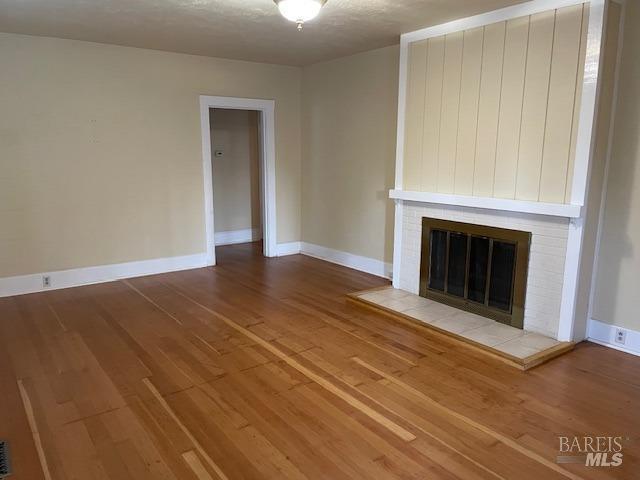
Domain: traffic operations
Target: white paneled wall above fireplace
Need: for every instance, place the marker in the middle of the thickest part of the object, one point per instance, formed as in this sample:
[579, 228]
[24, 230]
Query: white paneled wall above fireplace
[493, 111]
[497, 127]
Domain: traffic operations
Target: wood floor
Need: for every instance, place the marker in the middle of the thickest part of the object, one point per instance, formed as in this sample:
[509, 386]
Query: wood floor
[259, 368]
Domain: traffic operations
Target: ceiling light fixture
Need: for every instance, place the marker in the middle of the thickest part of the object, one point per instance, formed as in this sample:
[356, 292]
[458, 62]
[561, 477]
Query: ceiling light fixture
[299, 11]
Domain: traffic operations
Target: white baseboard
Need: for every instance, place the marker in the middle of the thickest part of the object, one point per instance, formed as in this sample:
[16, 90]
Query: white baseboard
[357, 262]
[290, 248]
[605, 334]
[104, 273]
[232, 237]
[32, 283]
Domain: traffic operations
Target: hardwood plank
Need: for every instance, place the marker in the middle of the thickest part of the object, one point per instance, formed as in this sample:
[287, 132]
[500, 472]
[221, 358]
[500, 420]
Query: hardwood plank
[502, 438]
[34, 431]
[196, 465]
[396, 429]
[184, 429]
[260, 368]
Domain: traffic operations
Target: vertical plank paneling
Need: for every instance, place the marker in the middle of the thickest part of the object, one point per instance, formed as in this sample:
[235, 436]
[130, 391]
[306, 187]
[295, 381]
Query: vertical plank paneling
[450, 111]
[468, 118]
[432, 112]
[515, 60]
[489, 108]
[562, 90]
[534, 107]
[578, 102]
[493, 111]
[414, 116]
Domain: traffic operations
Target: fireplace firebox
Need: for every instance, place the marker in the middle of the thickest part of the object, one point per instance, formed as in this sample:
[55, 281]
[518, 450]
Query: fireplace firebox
[476, 268]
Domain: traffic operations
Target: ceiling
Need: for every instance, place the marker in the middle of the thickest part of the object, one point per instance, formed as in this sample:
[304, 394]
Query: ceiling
[241, 29]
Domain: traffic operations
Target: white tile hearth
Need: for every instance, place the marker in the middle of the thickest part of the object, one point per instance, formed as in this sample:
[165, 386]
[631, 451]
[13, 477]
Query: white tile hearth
[407, 302]
[386, 294]
[493, 334]
[461, 322]
[512, 341]
[432, 312]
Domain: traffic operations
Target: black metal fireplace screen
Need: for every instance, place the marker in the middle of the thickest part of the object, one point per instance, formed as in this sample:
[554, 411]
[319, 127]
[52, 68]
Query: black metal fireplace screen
[476, 268]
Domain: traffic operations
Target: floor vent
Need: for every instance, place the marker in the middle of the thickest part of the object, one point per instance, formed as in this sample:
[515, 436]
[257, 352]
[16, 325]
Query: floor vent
[5, 464]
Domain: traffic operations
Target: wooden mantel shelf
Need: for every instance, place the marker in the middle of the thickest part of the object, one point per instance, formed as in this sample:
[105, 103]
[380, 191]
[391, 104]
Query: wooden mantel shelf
[522, 206]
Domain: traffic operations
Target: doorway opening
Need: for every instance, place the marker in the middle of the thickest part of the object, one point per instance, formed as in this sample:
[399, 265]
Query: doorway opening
[235, 163]
[238, 153]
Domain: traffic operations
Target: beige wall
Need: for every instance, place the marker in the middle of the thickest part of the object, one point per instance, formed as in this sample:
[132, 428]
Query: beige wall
[349, 125]
[100, 150]
[618, 265]
[490, 111]
[603, 130]
[236, 187]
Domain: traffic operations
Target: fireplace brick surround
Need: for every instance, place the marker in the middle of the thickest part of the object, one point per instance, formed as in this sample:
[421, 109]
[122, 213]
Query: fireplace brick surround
[469, 165]
[546, 260]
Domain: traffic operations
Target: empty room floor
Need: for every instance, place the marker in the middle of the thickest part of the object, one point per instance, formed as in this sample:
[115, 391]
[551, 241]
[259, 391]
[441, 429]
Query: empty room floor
[259, 368]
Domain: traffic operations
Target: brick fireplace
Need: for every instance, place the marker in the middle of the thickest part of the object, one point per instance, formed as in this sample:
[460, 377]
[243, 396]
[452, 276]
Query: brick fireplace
[490, 143]
[547, 255]
[477, 268]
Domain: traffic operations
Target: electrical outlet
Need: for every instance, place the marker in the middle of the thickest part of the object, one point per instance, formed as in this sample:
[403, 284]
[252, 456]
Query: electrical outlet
[46, 281]
[621, 336]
